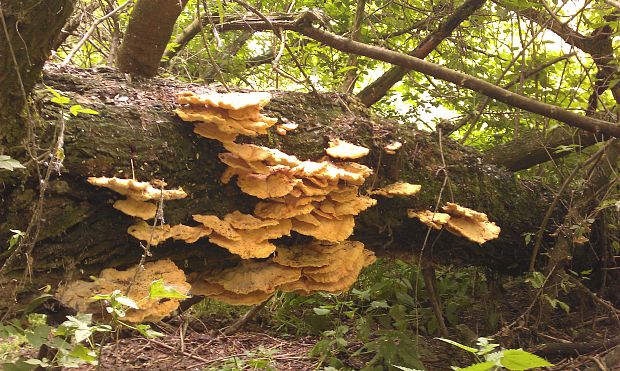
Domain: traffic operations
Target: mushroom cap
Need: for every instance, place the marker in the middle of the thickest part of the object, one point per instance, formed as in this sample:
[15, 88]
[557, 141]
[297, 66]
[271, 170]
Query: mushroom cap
[471, 224]
[232, 298]
[239, 220]
[267, 186]
[230, 101]
[431, 219]
[345, 150]
[254, 242]
[329, 230]
[392, 147]
[140, 209]
[152, 235]
[250, 276]
[397, 189]
[350, 207]
[139, 191]
[271, 156]
[158, 234]
[213, 132]
[279, 210]
[336, 266]
[221, 227]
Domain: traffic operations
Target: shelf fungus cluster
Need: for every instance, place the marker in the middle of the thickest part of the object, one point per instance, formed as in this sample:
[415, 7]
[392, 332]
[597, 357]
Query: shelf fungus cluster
[460, 221]
[79, 294]
[304, 269]
[224, 116]
[138, 195]
[313, 198]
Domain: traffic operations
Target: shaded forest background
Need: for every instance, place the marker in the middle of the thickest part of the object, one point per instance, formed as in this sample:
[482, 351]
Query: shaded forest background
[507, 107]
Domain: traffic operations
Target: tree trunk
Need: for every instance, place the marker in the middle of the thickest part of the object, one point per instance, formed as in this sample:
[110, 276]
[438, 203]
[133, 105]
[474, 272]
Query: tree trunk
[147, 35]
[81, 233]
[27, 32]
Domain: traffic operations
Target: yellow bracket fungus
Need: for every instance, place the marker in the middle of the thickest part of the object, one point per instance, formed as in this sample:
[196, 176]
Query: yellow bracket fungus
[78, 294]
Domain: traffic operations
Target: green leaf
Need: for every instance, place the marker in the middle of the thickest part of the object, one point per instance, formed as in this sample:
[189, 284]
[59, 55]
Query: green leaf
[405, 368]
[128, 302]
[148, 332]
[38, 336]
[82, 334]
[464, 347]
[83, 353]
[159, 290]
[10, 164]
[518, 359]
[379, 304]
[482, 366]
[321, 311]
[61, 100]
[17, 366]
[77, 109]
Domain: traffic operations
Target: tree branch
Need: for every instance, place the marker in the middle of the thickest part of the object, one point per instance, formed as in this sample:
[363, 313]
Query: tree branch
[431, 69]
[378, 88]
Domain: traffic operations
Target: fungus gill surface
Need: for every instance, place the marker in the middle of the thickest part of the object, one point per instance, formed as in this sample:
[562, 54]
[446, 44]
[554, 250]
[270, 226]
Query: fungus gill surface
[139, 191]
[78, 294]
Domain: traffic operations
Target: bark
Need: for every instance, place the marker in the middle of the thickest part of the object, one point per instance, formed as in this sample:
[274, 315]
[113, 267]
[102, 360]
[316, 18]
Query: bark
[378, 88]
[532, 148]
[147, 35]
[82, 234]
[28, 30]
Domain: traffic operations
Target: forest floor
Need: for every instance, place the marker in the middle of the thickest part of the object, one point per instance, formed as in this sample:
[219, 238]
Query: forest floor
[380, 323]
[262, 346]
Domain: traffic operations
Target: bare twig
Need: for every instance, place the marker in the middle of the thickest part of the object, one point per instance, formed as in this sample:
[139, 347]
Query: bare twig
[92, 29]
[555, 202]
[245, 319]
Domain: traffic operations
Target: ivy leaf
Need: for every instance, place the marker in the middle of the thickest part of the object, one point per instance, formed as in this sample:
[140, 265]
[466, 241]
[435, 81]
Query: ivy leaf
[518, 359]
[159, 290]
[10, 164]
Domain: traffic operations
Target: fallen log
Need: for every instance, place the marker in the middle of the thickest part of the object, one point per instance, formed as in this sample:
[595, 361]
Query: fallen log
[137, 133]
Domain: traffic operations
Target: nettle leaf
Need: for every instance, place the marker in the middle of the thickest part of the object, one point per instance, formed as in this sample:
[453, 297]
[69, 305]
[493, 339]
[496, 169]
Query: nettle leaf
[160, 290]
[9, 163]
[518, 359]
